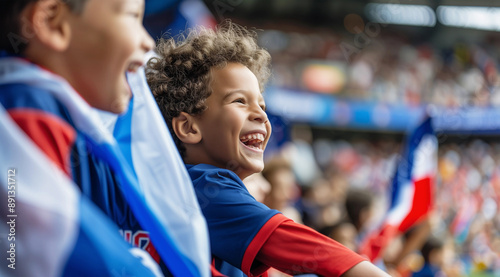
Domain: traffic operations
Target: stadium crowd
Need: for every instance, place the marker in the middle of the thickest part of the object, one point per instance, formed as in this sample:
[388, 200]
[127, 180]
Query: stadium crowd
[387, 68]
[342, 174]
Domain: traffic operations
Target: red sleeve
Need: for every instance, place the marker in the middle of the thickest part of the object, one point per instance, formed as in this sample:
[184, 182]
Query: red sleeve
[51, 134]
[294, 248]
[250, 265]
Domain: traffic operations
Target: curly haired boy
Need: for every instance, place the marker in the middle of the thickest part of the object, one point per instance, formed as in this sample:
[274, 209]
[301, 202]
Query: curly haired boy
[209, 87]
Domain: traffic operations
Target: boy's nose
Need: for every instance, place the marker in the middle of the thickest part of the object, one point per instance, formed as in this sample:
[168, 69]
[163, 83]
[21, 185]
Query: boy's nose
[148, 42]
[259, 115]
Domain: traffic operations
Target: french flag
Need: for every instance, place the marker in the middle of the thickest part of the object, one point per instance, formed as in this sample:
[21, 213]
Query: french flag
[148, 148]
[412, 190]
[59, 229]
[54, 230]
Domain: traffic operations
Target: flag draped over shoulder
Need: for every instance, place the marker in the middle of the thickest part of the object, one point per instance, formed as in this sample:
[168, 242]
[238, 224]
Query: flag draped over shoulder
[54, 230]
[412, 190]
[150, 200]
[148, 147]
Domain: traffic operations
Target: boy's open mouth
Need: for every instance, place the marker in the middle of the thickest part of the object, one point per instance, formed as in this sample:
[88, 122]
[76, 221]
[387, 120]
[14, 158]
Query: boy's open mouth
[134, 66]
[253, 141]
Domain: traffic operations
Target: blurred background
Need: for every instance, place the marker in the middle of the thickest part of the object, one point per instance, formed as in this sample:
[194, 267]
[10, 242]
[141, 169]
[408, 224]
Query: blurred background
[350, 80]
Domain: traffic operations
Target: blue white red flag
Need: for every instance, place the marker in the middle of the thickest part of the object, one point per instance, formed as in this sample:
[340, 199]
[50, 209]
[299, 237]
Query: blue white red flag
[164, 207]
[412, 190]
[148, 147]
[49, 228]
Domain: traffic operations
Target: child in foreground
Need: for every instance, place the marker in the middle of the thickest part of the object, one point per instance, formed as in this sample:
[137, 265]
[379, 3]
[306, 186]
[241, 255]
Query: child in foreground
[59, 60]
[209, 89]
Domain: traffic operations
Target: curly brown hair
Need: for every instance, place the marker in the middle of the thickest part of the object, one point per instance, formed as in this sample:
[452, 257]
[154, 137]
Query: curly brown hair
[180, 76]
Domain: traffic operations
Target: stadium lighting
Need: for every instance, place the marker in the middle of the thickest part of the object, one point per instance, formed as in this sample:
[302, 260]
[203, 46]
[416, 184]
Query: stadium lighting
[414, 15]
[483, 18]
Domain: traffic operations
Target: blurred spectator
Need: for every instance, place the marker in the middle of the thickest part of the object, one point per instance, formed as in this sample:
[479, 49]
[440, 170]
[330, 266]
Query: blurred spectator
[359, 208]
[257, 186]
[433, 253]
[284, 191]
[343, 232]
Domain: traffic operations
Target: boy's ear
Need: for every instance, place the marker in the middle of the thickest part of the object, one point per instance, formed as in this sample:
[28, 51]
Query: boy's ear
[48, 21]
[186, 128]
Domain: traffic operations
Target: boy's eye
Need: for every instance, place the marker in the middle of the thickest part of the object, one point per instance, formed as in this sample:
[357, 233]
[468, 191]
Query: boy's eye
[133, 8]
[263, 107]
[239, 100]
[135, 14]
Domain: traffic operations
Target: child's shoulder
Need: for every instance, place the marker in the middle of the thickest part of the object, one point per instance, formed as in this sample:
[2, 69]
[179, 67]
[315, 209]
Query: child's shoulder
[203, 174]
[43, 118]
[26, 88]
[217, 188]
[25, 97]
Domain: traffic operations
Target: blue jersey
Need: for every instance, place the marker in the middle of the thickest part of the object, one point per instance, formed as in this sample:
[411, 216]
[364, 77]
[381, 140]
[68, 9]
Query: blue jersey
[238, 225]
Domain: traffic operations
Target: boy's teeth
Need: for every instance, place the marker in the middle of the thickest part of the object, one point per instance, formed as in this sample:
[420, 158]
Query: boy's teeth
[252, 137]
[133, 67]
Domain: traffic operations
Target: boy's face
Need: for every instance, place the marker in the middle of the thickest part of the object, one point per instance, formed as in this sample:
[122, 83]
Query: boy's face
[108, 39]
[234, 127]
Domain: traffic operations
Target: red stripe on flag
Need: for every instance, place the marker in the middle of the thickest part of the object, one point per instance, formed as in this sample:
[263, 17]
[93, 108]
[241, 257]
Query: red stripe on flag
[422, 203]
